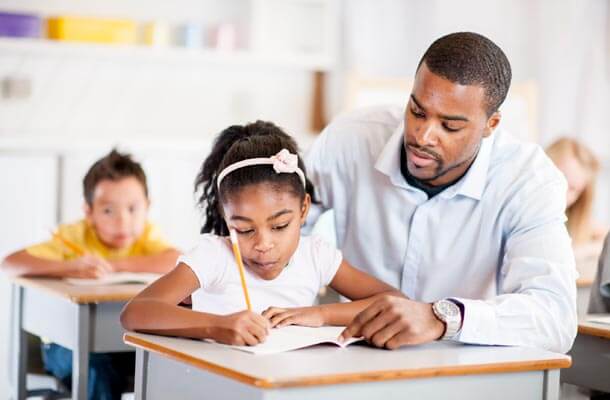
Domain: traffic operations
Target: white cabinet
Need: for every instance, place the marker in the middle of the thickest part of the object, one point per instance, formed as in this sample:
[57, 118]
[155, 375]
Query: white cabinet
[171, 177]
[28, 209]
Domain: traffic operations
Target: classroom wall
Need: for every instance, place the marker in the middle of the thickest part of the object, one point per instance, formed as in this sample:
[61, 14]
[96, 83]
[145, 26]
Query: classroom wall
[93, 95]
[143, 94]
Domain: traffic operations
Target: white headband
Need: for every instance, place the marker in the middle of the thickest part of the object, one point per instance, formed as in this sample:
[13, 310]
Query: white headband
[283, 162]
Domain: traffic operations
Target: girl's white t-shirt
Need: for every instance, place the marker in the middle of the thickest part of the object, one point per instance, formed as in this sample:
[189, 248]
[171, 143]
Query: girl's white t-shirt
[312, 266]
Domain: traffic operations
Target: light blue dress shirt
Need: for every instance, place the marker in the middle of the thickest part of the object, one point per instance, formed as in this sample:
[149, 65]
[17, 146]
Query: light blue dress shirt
[495, 240]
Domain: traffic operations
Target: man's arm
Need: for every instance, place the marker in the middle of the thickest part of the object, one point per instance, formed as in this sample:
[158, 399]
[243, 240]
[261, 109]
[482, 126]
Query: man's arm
[536, 305]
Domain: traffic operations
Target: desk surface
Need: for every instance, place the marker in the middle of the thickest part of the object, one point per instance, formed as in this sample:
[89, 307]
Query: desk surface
[594, 329]
[82, 294]
[329, 364]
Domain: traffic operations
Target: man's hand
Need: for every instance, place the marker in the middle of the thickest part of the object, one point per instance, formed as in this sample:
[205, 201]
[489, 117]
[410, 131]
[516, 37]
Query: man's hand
[304, 316]
[392, 322]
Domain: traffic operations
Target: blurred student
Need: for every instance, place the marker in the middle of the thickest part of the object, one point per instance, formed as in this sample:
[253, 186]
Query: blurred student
[115, 235]
[580, 167]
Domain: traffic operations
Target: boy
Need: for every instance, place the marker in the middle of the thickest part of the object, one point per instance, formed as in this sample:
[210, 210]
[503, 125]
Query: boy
[113, 236]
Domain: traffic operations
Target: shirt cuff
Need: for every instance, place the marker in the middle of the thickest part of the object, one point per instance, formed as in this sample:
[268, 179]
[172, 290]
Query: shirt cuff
[479, 322]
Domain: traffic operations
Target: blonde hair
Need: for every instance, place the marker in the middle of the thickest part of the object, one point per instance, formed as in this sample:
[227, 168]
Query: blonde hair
[579, 213]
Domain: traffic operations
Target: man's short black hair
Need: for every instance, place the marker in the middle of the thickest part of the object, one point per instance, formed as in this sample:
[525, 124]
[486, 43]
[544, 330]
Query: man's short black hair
[471, 59]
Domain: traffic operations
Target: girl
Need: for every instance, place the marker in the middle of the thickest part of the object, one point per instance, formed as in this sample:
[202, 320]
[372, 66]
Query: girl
[253, 182]
[580, 167]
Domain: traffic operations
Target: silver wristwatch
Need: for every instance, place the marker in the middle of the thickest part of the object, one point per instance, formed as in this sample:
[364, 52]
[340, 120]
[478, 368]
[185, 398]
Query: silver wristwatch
[449, 313]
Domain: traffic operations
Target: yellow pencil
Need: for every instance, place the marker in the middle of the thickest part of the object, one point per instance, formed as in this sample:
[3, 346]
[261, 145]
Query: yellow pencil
[72, 246]
[240, 265]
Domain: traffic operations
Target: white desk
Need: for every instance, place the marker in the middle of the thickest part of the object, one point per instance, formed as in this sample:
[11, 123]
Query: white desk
[188, 369]
[82, 318]
[591, 355]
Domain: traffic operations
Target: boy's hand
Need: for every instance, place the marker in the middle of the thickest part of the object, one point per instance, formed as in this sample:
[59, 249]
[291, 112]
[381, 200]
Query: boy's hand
[242, 328]
[304, 316]
[88, 266]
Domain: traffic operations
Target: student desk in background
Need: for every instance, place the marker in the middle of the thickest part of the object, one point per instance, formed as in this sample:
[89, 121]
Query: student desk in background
[189, 369]
[583, 293]
[591, 357]
[82, 318]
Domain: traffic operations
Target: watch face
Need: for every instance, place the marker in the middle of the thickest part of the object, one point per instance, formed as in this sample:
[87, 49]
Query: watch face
[448, 308]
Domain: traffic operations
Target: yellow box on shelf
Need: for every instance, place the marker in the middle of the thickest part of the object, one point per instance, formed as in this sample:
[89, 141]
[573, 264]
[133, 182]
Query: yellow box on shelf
[88, 29]
[156, 34]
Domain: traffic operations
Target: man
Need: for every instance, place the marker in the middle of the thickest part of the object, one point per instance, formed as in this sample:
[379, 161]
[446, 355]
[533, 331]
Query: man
[467, 222]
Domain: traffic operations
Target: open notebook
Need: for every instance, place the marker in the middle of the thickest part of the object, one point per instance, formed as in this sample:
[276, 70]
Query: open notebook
[115, 278]
[297, 337]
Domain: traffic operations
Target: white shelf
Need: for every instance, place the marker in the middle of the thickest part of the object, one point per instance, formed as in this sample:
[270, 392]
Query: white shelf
[43, 47]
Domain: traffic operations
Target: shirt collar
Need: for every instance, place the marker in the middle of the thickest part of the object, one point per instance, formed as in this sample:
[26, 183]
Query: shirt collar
[388, 162]
[473, 183]
[470, 185]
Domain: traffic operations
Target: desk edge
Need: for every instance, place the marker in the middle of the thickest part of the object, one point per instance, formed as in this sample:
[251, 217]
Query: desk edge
[476, 369]
[594, 330]
[31, 283]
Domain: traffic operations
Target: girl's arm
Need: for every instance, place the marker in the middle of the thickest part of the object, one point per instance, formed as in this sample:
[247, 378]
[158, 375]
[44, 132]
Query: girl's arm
[350, 282]
[155, 310]
[360, 287]
[160, 263]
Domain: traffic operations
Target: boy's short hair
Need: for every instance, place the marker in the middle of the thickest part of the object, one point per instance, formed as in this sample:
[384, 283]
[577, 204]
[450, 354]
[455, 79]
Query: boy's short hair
[114, 166]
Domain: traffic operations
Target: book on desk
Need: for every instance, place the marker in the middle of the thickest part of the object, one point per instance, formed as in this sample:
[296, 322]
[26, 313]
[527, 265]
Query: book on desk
[115, 278]
[297, 337]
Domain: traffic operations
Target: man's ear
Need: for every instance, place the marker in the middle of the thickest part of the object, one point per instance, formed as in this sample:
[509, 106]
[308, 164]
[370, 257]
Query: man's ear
[305, 207]
[492, 123]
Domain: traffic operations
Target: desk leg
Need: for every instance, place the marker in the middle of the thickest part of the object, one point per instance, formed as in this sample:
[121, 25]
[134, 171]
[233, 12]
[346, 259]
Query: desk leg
[18, 346]
[141, 373]
[551, 385]
[80, 353]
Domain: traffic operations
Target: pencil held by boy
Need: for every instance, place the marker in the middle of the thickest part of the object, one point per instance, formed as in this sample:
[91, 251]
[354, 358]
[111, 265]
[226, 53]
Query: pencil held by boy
[253, 183]
[114, 235]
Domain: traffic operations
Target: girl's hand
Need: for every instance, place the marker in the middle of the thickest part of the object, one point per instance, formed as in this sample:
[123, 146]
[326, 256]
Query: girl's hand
[304, 316]
[242, 328]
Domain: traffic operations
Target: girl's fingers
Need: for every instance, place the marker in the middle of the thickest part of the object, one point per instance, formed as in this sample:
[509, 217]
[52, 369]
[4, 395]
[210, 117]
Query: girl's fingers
[249, 338]
[261, 321]
[271, 311]
[258, 332]
[277, 319]
[288, 321]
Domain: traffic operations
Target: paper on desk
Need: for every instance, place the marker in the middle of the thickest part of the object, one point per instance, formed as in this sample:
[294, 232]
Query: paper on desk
[297, 337]
[116, 278]
[600, 319]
